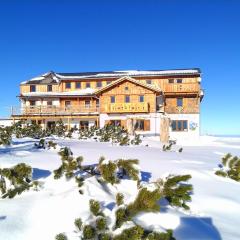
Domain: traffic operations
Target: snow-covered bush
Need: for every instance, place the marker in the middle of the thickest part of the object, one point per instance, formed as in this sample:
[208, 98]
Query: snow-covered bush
[98, 226]
[61, 236]
[110, 133]
[16, 180]
[46, 144]
[230, 167]
[121, 222]
[175, 190]
[5, 135]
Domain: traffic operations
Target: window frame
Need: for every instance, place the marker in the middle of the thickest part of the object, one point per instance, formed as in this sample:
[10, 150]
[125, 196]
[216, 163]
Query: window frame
[67, 105]
[68, 85]
[78, 85]
[179, 125]
[149, 81]
[99, 84]
[127, 97]
[178, 99]
[87, 103]
[49, 87]
[141, 100]
[88, 85]
[111, 99]
[49, 101]
[33, 88]
[32, 103]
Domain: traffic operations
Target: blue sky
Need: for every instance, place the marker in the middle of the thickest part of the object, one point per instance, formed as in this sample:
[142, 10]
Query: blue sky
[74, 36]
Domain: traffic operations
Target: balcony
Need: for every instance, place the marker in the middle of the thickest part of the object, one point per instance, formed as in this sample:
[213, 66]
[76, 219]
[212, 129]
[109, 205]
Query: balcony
[127, 108]
[182, 87]
[55, 110]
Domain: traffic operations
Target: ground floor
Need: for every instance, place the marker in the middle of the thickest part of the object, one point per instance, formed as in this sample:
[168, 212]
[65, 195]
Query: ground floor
[167, 126]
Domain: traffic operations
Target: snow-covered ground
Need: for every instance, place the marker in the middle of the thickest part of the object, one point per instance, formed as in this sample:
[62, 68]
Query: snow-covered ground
[215, 206]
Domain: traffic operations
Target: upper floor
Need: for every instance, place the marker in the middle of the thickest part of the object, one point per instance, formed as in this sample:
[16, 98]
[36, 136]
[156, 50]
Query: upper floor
[171, 91]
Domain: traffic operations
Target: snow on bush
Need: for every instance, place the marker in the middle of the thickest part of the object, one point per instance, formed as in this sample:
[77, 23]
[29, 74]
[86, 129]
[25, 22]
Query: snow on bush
[230, 167]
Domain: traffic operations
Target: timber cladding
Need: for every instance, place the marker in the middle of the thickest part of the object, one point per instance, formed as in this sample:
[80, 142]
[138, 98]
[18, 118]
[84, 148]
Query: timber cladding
[130, 89]
[190, 105]
[25, 88]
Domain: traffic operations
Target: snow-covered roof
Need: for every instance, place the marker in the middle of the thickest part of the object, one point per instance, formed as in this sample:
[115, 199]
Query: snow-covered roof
[57, 77]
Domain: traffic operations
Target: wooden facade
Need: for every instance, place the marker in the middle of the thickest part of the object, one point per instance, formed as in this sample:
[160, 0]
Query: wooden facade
[87, 97]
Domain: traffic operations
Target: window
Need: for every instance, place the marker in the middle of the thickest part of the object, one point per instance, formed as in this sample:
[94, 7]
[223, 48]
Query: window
[141, 98]
[126, 88]
[67, 104]
[115, 122]
[68, 85]
[179, 125]
[179, 80]
[99, 84]
[49, 88]
[32, 103]
[108, 82]
[49, 103]
[179, 102]
[127, 99]
[97, 103]
[32, 88]
[84, 124]
[112, 99]
[149, 81]
[87, 103]
[170, 80]
[88, 85]
[139, 125]
[142, 125]
[77, 85]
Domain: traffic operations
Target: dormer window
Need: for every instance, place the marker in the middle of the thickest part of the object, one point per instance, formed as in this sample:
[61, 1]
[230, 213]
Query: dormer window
[149, 81]
[32, 88]
[68, 85]
[49, 88]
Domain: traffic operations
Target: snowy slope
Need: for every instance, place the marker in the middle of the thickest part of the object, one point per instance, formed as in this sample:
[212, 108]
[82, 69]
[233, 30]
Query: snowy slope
[215, 208]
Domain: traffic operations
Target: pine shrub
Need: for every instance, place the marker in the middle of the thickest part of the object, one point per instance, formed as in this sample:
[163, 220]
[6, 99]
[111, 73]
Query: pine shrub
[101, 223]
[78, 223]
[61, 236]
[119, 199]
[133, 233]
[89, 232]
[146, 201]
[94, 207]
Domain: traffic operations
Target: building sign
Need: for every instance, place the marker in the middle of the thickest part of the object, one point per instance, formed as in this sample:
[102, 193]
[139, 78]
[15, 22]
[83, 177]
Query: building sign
[127, 107]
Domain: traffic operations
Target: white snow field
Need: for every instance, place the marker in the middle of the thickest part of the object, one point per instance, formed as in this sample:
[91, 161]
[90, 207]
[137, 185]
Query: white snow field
[214, 211]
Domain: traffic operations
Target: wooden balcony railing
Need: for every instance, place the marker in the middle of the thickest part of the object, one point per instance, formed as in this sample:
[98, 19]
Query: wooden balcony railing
[127, 107]
[55, 110]
[182, 87]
